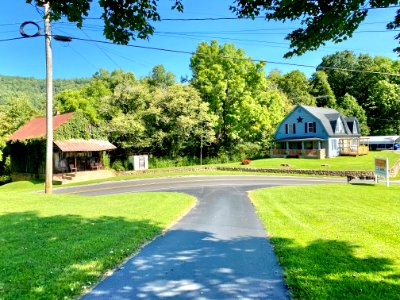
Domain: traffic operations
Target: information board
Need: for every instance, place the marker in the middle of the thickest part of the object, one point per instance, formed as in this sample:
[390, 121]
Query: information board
[382, 169]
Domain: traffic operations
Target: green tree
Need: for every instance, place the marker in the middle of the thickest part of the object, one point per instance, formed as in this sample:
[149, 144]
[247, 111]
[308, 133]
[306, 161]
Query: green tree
[178, 119]
[16, 113]
[160, 77]
[349, 107]
[385, 100]
[321, 90]
[13, 115]
[232, 84]
[85, 100]
[360, 84]
[297, 88]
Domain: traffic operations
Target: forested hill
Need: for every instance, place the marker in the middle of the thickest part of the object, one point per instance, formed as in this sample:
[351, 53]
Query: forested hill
[35, 89]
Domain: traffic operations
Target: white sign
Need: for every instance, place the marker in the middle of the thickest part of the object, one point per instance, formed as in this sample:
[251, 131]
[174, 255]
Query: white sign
[382, 169]
[140, 162]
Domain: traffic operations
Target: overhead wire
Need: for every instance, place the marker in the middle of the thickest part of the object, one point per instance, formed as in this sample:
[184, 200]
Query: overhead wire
[234, 58]
[77, 52]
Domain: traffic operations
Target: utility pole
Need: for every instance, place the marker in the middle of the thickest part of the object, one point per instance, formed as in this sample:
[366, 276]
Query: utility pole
[49, 103]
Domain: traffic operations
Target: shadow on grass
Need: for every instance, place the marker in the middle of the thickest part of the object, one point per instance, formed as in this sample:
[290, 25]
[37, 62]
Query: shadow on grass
[58, 256]
[329, 269]
[366, 184]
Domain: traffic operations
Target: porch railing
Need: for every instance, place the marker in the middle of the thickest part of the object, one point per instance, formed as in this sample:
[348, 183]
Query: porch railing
[354, 150]
[312, 153]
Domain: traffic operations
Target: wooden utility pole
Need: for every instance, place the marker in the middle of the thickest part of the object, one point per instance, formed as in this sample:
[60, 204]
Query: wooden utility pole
[49, 103]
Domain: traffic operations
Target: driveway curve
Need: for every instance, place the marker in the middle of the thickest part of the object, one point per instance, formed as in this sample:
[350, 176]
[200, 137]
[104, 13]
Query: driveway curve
[219, 250]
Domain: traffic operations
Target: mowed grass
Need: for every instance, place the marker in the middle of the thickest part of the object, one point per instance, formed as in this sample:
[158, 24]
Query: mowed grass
[335, 241]
[54, 247]
[365, 162]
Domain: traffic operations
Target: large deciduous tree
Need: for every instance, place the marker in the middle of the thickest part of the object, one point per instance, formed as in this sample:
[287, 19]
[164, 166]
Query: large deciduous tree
[322, 91]
[237, 91]
[385, 100]
[297, 87]
[364, 86]
[349, 107]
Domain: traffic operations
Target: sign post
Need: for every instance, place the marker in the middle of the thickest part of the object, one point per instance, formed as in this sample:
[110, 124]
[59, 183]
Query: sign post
[382, 169]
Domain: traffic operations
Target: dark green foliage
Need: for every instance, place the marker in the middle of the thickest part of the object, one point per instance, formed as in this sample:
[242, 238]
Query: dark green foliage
[123, 20]
[321, 21]
[322, 91]
[28, 156]
[349, 107]
[78, 127]
[368, 89]
[296, 87]
[118, 165]
[160, 77]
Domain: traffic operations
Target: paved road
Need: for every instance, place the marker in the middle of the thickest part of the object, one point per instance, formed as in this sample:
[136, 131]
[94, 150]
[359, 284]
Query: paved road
[218, 251]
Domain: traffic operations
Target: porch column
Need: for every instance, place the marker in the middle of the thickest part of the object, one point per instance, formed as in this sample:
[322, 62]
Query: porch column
[319, 145]
[287, 147]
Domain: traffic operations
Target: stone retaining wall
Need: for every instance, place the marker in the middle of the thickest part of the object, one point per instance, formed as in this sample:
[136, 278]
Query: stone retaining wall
[256, 170]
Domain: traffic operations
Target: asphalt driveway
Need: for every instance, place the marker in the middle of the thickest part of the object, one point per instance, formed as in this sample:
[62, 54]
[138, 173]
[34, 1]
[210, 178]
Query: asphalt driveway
[218, 251]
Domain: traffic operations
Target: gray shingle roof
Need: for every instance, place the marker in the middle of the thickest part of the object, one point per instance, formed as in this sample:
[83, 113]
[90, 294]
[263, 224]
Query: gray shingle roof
[329, 117]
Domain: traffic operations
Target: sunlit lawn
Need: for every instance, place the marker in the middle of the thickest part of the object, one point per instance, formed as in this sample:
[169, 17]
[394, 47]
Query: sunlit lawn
[335, 241]
[365, 162]
[55, 246]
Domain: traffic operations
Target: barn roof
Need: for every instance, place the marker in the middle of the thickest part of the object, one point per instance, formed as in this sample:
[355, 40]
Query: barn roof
[36, 128]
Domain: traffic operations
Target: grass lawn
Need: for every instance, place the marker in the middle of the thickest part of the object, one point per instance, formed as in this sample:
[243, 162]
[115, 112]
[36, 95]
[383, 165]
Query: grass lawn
[53, 247]
[365, 162]
[335, 241]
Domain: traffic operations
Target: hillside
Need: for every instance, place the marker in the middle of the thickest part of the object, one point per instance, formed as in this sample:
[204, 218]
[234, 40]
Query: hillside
[11, 86]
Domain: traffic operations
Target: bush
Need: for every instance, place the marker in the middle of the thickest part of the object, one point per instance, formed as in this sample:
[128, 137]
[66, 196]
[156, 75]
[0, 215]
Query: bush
[246, 161]
[128, 165]
[106, 160]
[118, 165]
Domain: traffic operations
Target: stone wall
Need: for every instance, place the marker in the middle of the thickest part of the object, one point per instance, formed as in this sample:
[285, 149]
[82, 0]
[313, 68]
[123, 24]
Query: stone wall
[256, 170]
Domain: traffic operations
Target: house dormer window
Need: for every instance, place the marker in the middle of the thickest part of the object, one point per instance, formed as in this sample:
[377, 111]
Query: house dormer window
[355, 129]
[310, 127]
[339, 126]
[290, 128]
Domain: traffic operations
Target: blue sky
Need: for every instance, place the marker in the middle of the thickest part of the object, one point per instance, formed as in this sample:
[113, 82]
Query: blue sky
[260, 39]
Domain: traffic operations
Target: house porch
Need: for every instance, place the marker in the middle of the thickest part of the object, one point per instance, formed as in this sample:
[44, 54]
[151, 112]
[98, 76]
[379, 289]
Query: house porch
[299, 148]
[353, 146]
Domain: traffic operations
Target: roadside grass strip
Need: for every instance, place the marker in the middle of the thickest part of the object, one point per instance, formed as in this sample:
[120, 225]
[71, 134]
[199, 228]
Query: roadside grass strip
[335, 241]
[55, 247]
[365, 162]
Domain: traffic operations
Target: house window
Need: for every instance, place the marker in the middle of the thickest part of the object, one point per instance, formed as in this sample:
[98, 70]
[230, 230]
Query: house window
[355, 130]
[310, 127]
[290, 128]
[339, 127]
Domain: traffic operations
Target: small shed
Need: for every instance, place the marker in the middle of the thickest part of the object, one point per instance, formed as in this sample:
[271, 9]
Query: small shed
[27, 149]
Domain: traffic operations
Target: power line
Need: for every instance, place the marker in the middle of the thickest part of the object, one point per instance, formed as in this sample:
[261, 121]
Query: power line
[221, 56]
[16, 38]
[235, 58]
